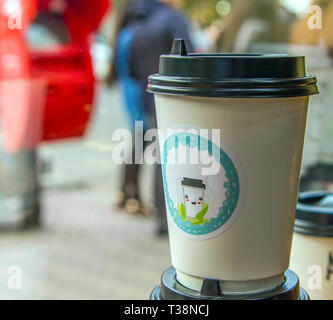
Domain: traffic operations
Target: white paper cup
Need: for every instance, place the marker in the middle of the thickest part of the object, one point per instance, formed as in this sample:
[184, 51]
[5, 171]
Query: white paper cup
[242, 235]
[312, 248]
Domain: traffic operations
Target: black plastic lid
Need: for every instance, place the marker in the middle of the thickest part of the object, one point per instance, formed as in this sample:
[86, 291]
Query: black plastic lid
[314, 215]
[231, 75]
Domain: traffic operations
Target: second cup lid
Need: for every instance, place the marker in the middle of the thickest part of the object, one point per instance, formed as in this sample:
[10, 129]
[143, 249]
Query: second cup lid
[231, 75]
[314, 214]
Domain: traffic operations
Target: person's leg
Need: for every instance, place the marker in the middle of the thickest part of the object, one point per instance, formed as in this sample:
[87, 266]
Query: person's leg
[19, 190]
[130, 183]
[161, 215]
[130, 188]
[130, 196]
[159, 199]
[32, 194]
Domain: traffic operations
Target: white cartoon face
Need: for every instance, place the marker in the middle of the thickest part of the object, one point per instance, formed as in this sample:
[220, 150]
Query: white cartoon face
[193, 200]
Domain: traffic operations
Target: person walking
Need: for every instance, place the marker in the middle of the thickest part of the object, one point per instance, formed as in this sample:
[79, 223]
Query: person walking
[146, 29]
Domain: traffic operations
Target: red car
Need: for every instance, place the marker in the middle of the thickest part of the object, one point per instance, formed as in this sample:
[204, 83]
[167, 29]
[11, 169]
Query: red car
[67, 66]
[56, 50]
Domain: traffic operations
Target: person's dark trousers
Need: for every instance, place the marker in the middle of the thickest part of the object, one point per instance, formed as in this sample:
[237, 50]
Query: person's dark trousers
[130, 188]
[19, 189]
[32, 197]
[162, 226]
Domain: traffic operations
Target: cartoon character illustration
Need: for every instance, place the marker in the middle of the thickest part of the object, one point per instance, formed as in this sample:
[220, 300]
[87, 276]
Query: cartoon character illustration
[194, 208]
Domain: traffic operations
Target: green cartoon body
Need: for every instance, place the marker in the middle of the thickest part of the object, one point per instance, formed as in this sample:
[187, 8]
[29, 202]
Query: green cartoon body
[198, 219]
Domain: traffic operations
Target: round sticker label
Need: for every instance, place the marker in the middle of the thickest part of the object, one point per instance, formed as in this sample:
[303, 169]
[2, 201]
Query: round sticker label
[203, 183]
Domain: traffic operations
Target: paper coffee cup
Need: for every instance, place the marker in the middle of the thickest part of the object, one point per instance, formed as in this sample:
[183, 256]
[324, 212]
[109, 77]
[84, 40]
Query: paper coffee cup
[244, 117]
[312, 248]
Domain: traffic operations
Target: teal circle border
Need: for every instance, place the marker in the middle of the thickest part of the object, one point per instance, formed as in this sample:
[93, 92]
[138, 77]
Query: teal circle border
[231, 185]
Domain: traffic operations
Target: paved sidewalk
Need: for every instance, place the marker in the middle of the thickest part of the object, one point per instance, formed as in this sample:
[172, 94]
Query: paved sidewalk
[85, 250]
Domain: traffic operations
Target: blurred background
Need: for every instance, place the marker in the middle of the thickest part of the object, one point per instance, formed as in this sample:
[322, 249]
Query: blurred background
[73, 224]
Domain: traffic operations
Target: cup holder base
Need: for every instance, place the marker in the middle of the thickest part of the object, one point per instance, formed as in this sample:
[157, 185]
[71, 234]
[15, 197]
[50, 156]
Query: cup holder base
[171, 289]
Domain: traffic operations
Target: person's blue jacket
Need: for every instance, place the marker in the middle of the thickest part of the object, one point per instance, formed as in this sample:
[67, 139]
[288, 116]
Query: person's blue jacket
[152, 26]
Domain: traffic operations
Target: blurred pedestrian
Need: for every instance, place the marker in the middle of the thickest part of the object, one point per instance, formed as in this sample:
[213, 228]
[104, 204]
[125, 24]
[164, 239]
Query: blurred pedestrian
[146, 29]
